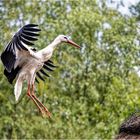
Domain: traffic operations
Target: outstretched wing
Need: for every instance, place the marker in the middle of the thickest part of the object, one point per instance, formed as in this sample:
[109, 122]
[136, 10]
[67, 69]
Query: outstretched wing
[20, 42]
[42, 73]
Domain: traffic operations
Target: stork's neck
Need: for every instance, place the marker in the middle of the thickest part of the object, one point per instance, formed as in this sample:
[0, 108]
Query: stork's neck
[54, 44]
[47, 52]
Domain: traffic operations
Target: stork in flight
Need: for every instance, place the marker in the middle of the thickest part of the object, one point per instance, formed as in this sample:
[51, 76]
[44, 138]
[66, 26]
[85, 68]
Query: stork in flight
[23, 63]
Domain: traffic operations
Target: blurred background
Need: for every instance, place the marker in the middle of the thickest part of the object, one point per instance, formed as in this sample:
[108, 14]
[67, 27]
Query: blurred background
[91, 91]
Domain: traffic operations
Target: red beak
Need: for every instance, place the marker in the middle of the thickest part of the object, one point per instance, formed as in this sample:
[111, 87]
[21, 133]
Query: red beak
[73, 43]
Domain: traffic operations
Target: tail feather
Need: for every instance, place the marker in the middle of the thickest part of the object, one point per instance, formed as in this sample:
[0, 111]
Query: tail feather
[18, 89]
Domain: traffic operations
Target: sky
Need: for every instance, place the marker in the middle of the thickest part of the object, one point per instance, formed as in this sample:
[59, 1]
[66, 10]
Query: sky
[123, 9]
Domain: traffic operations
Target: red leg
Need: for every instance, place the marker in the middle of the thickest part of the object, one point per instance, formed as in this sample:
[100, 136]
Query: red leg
[35, 102]
[33, 95]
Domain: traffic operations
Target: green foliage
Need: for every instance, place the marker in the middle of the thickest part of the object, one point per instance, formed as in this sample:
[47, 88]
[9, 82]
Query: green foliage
[92, 90]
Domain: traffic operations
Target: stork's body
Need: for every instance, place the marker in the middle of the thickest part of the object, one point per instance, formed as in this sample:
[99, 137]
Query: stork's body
[22, 63]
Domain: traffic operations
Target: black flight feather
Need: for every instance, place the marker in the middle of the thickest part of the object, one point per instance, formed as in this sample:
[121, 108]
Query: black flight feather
[43, 72]
[29, 37]
[25, 36]
[31, 25]
[26, 41]
[39, 76]
[36, 80]
[30, 33]
[47, 66]
[11, 75]
[8, 60]
[49, 61]
[20, 44]
[32, 29]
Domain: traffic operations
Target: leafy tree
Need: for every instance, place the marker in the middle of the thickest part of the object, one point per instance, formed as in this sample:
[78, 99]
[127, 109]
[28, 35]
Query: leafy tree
[92, 90]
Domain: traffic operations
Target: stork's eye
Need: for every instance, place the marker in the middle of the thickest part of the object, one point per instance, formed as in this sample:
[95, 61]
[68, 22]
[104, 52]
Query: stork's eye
[65, 37]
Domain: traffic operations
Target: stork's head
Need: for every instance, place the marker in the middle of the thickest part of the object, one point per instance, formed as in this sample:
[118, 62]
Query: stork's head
[63, 38]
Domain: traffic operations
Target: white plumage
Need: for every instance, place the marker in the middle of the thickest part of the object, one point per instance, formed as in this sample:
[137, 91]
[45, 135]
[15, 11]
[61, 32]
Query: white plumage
[23, 63]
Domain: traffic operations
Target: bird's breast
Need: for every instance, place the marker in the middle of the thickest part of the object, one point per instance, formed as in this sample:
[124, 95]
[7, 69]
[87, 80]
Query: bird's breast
[32, 64]
[45, 54]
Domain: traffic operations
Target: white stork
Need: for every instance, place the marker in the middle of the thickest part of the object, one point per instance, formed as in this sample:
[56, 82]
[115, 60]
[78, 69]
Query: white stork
[23, 63]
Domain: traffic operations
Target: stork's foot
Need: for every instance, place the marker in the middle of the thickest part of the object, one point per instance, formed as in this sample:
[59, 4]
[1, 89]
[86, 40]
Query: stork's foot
[46, 114]
[42, 106]
[44, 111]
